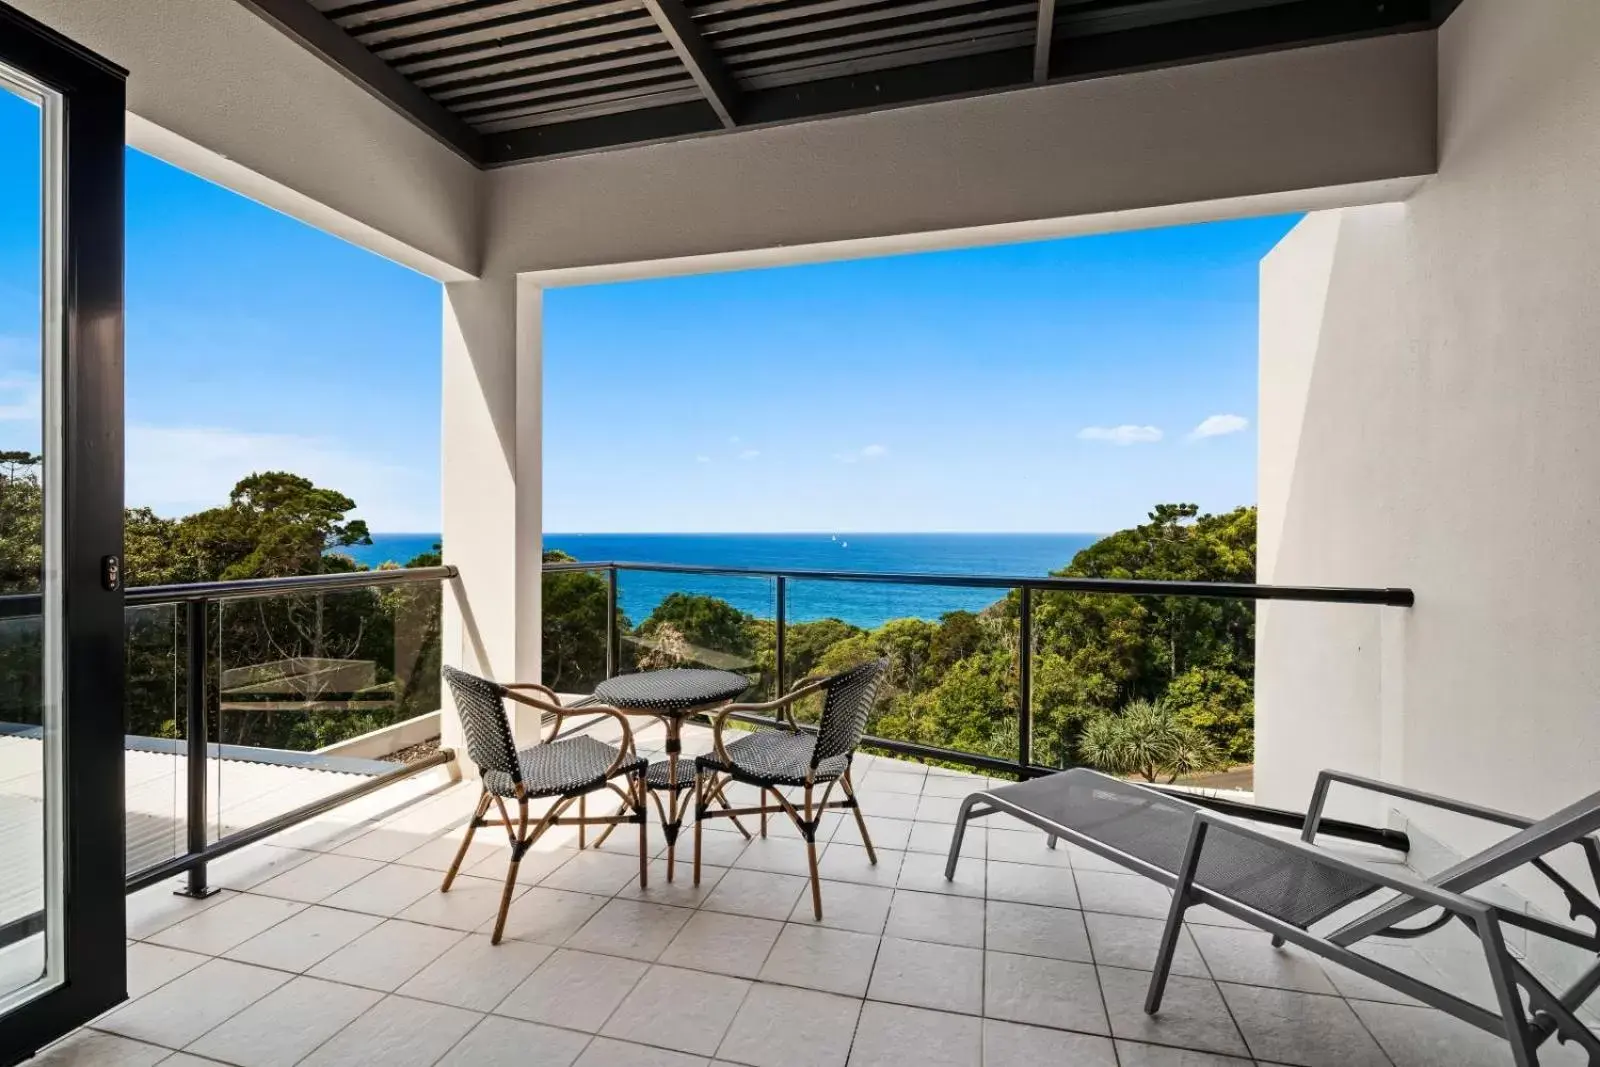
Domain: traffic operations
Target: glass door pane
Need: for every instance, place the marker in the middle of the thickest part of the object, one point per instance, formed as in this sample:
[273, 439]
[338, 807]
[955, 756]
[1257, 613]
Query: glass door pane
[30, 636]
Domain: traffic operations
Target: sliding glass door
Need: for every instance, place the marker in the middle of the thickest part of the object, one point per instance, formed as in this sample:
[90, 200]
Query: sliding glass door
[61, 878]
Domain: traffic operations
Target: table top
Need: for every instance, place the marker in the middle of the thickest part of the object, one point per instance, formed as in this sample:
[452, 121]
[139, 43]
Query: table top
[674, 691]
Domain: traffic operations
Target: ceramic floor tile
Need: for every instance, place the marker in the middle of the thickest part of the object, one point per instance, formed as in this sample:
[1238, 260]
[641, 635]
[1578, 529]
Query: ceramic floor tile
[728, 944]
[763, 1031]
[1135, 1054]
[609, 1052]
[634, 928]
[681, 892]
[936, 837]
[386, 956]
[1422, 1037]
[1014, 1045]
[1193, 1014]
[577, 990]
[1031, 847]
[90, 1048]
[502, 1042]
[1248, 957]
[218, 929]
[316, 880]
[1025, 883]
[890, 1035]
[1302, 1028]
[941, 917]
[778, 855]
[152, 966]
[1132, 942]
[159, 907]
[469, 904]
[535, 867]
[304, 939]
[249, 867]
[600, 873]
[1032, 930]
[285, 1025]
[846, 906]
[928, 975]
[834, 961]
[476, 974]
[438, 853]
[923, 872]
[688, 1011]
[187, 1007]
[1121, 894]
[397, 1032]
[387, 891]
[548, 916]
[756, 893]
[848, 862]
[1044, 992]
[936, 809]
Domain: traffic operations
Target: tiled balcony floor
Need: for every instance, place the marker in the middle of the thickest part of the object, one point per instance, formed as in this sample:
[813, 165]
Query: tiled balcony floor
[332, 945]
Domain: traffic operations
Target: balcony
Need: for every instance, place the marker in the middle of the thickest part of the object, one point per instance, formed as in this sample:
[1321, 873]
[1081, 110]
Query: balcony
[330, 944]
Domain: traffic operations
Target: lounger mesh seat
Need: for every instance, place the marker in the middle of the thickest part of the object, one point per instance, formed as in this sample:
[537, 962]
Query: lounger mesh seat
[1155, 828]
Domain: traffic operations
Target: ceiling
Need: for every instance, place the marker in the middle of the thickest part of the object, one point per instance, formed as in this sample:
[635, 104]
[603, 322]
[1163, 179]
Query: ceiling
[502, 81]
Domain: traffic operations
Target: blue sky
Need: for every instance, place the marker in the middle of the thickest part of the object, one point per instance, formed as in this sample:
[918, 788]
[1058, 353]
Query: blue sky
[1044, 387]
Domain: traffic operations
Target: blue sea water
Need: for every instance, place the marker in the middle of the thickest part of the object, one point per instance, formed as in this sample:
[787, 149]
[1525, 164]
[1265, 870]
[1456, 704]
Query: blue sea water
[865, 604]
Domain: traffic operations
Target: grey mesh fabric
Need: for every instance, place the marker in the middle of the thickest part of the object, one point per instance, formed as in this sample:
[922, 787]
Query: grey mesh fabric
[483, 719]
[567, 767]
[677, 689]
[774, 757]
[1155, 828]
[850, 700]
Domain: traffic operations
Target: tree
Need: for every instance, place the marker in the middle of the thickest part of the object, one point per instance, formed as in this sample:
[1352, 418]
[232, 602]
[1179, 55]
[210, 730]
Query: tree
[274, 525]
[702, 624]
[574, 627]
[1147, 739]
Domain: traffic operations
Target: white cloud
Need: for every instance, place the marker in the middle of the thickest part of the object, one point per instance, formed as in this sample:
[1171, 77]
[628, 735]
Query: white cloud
[1121, 435]
[1219, 426]
[750, 453]
[869, 453]
[176, 470]
[702, 459]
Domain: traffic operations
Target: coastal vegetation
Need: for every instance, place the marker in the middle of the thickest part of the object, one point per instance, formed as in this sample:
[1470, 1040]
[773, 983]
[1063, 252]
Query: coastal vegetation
[1148, 686]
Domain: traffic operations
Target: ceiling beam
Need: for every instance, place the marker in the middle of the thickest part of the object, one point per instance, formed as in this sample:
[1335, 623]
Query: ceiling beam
[319, 35]
[703, 63]
[1041, 41]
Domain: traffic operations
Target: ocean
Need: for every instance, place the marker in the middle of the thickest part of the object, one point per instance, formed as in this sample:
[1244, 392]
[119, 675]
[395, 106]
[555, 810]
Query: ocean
[860, 603]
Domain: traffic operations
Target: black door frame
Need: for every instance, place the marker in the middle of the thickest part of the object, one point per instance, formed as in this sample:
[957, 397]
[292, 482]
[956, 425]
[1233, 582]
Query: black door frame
[89, 484]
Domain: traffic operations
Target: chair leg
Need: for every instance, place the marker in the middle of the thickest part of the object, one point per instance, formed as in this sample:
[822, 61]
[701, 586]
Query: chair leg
[640, 787]
[763, 804]
[583, 812]
[861, 821]
[466, 842]
[511, 870]
[699, 819]
[810, 831]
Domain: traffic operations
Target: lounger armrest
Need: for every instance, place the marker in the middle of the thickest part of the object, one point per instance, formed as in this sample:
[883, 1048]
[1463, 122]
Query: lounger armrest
[1400, 883]
[1372, 785]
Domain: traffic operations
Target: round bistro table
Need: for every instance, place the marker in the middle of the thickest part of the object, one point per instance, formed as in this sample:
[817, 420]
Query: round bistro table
[672, 696]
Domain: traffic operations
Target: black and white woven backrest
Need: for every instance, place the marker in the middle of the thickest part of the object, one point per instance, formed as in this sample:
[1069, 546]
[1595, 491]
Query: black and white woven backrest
[851, 698]
[483, 718]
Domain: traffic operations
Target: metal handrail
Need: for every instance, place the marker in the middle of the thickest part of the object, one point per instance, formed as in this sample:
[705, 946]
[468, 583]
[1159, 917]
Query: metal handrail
[1387, 597]
[1022, 765]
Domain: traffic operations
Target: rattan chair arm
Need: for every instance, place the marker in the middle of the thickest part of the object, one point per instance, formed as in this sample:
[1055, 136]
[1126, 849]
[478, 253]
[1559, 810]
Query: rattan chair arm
[625, 750]
[550, 694]
[719, 718]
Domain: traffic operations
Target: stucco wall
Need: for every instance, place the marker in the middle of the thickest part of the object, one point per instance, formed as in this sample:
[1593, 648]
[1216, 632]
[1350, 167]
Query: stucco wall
[1303, 120]
[1430, 399]
[227, 96]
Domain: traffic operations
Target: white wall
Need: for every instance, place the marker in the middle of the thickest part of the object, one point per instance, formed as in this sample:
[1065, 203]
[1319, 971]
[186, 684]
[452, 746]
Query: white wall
[1303, 121]
[219, 92]
[1430, 398]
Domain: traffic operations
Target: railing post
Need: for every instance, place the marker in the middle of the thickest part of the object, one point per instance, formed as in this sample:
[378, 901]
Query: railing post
[778, 669]
[613, 647]
[196, 745]
[1024, 680]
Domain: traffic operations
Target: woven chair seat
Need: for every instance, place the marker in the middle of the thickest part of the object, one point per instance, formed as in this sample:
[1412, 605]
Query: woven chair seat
[565, 768]
[774, 757]
[657, 775]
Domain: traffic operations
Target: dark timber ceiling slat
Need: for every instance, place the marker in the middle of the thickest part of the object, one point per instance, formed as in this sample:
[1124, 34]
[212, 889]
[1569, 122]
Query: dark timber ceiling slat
[503, 80]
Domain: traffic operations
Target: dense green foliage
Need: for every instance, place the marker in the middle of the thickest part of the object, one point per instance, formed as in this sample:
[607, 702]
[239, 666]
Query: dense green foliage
[1142, 685]
[287, 671]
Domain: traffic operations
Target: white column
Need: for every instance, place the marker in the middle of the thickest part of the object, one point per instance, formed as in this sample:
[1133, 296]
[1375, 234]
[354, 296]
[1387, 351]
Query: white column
[491, 495]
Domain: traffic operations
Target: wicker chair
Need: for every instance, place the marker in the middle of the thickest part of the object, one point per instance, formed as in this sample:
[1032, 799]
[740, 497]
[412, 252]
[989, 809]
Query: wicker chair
[567, 770]
[788, 757]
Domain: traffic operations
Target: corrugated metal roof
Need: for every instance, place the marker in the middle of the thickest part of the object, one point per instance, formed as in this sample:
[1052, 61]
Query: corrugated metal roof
[523, 78]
